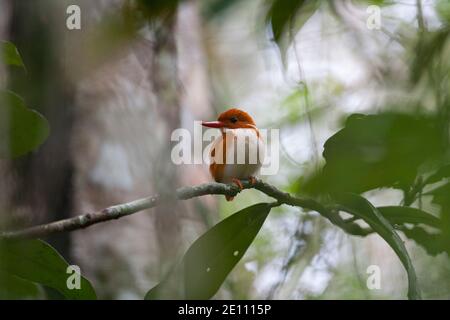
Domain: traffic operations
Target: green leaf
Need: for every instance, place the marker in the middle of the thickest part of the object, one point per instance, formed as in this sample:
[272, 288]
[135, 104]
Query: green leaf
[401, 215]
[441, 173]
[211, 258]
[14, 288]
[281, 14]
[289, 15]
[21, 129]
[37, 261]
[433, 243]
[361, 208]
[375, 151]
[440, 196]
[10, 55]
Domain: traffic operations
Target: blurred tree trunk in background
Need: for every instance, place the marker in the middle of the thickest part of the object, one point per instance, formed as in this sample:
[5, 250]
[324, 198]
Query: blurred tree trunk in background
[110, 138]
[39, 184]
[5, 188]
[125, 114]
[4, 21]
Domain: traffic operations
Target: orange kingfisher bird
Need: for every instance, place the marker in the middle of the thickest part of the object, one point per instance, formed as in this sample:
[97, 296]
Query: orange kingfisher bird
[238, 153]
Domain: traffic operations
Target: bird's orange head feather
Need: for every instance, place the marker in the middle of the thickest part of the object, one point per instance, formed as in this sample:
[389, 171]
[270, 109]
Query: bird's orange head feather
[232, 119]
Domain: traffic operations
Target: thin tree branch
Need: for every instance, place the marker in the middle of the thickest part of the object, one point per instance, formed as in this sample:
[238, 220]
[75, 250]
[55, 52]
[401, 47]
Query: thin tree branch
[184, 193]
[420, 19]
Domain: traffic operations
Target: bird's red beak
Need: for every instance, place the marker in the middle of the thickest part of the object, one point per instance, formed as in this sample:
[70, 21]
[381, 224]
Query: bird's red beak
[213, 124]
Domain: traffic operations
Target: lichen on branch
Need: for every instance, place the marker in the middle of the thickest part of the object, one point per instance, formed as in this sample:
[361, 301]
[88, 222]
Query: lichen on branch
[184, 193]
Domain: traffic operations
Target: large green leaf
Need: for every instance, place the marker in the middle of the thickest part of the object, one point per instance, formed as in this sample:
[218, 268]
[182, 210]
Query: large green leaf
[10, 55]
[37, 261]
[374, 151]
[13, 288]
[21, 129]
[361, 208]
[211, 258]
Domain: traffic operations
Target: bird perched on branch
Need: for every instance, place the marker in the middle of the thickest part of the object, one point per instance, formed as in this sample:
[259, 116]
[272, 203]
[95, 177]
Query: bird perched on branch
[238, 153]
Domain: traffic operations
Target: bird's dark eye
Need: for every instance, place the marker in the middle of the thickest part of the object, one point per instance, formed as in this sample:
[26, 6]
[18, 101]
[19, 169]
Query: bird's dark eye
[233, 119]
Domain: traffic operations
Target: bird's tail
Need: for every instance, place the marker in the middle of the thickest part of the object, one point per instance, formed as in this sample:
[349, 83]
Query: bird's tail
[229, 198]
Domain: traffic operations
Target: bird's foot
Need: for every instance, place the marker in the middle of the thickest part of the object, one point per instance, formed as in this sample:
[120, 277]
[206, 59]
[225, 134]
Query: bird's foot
[238, 183]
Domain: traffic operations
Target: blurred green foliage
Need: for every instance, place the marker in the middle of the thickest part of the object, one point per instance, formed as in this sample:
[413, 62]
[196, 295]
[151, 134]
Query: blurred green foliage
[10, 55]
[215, 8]
[429, 53]
[375, 151]
[443, 10]
[21, 129]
